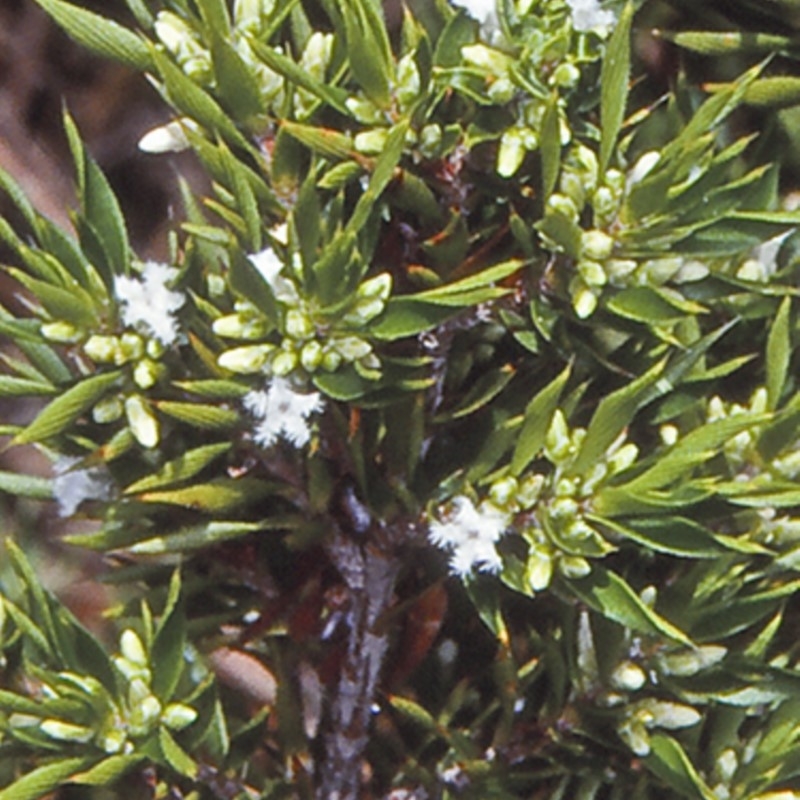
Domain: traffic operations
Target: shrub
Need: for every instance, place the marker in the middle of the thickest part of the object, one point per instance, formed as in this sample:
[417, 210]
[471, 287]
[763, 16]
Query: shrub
[454, 451]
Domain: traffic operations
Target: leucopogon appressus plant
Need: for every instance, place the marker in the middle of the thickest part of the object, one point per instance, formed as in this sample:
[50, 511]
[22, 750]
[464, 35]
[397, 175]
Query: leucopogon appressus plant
[452, 453]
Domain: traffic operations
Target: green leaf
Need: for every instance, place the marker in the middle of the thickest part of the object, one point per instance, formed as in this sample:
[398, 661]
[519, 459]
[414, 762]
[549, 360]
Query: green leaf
[199, 415]
[720, 43]
[550, 146]
[483, 391]
[668, 760]
[612, 596]
[56, 417]
[406, 316]
[166, 653]
[100, 35]
[677, 536]
[45, 779]
[238, 87]
[204, 536]
[24, 387]
[368, 50]
[221, 495]
[652, 305]
[174, 755]
[538, 416]
[614, 85]
[20, 485]
[108, 771]
[99, 204]
[779, 349]
[180, 469]
[245, 279]
[325, 141]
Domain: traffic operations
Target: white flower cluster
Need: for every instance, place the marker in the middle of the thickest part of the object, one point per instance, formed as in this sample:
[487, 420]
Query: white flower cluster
[587, 15]
[281, 412]
[148, 304]
[470, 534]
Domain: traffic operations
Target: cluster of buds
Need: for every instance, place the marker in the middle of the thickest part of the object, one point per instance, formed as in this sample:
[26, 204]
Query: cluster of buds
[627, 688]
[114, 725]
[311, 338]
[597, 252]
[550, 511]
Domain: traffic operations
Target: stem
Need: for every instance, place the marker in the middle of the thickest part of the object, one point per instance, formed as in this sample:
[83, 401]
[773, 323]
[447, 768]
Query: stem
[370, 575]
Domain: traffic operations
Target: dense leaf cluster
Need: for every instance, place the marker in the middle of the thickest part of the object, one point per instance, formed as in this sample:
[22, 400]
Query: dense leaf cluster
[455, 453]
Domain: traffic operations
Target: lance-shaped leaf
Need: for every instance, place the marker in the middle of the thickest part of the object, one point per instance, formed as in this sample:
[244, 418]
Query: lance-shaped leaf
[46, 779]
[166, 653]
[720, 43]
[65, 409]
[610, 595]
[669, 761]
[614, 84]
[779, 349]
[100, 35]
[202, 536]
[368, 49]
[180, 469]
[238, 87]
[108, 771]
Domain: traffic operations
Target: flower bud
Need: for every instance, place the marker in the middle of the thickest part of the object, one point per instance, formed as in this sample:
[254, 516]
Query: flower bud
[311, 355]
[539, 569]
[283, 363]
[566, 75]
[65, 731]
[131, 647]
[365, 111]
[561, 204]
[511, 152]
[331, 360]
[584, 300]
[430, 138]
[557, 441]
[142, 422]
[298, 324]
[246, 360]
[407, 82]
[628, 677]
[352, 347]
[485, 58]
[379, 287]
[178, 716]
[147, 373]
[530, 488]
[169, 138]
[574, 567]
[62, 332]
[596, 245]
[592, 273]
[131, 347]
[504, 491]
[619, 270]
[102, 349]
[371, 142]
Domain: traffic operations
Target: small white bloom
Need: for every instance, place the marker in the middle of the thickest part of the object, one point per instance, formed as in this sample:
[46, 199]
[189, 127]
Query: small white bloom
[282, 412]
[588, 16]
[72, 486]
[169, 138]
[148, 303]
[470, 533]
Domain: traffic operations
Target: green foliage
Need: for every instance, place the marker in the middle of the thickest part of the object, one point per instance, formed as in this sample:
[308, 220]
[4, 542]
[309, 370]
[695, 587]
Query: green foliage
[457, 287]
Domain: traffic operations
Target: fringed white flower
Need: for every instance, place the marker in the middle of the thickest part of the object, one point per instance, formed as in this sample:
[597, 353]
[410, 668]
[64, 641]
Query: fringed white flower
[485, 12]
[281, 412]
[470, 534]
[148, 304]
[587, 15]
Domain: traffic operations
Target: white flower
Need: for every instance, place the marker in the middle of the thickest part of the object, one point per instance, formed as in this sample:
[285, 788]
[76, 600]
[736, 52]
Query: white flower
[72, 486]
[470, 533]
[588, 16]
[148, 303]
[485, 11]
[282, 412]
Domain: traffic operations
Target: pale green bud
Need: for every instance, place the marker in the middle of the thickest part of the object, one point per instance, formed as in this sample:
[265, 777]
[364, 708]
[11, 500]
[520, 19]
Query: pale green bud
[659, 270]
[113, 741]
[407, 81]
[311, 355]
[624, 457]
[615, 180]
[371, 142]
[584, 299]
[563, 508]
[663, 714]
[352, 347]
[62, 332]
[155, 349]
[596, 245]
[539, 569]
[283, 363]
[727, 764]
[178, 716]
[174, 33]
[331, 360]
[370, 362]
[430, 138]
[107, 410]
[102, 349]
[580, 531]
[144, 715]
[502, 90]
[619, 270]
[561, 204]
[251, 14]
[643, 167]
[566, 487]
[485, 58]
[379, 287]
[628, 677]
[529, 490]
[138, 691]
[604, 202]
[246, 360]
[131, 647]
[142, 422]
[566, 76]
[504, 491]
[669, 434]
[511, 152]
[557, 441]
[363, 312]
[365, 111]
[317, 54]
[759, 401]
[147, 373]
[574, 567]
[592, 273]
[131, 347]
[298, 324]
[573, 186]
[239, 326]
[690, 662]
[65, 731]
